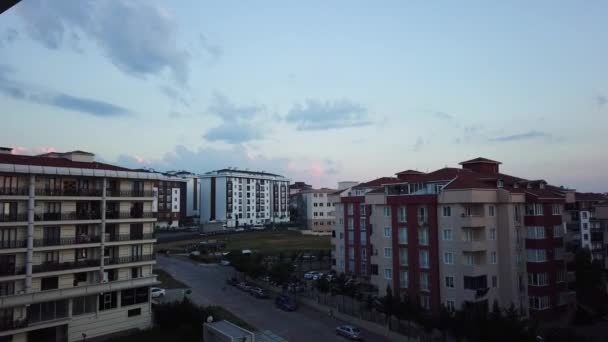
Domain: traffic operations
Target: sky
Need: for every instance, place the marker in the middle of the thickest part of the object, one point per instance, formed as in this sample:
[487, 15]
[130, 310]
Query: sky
[319, 91]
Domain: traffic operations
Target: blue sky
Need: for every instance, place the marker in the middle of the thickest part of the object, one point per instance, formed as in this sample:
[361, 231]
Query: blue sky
[320, 91]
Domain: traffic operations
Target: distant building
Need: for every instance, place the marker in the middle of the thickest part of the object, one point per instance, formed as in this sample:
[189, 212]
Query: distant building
[586, 218]
[241, 197]
[314, 211]
[297, 187]
[192, 197]
[170, 202]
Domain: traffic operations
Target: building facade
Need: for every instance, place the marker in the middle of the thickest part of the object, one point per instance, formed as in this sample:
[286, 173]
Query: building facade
[191, 216]
[458, 237]
[76, 247]
[244, 198]
[170, 202]
[315, 211]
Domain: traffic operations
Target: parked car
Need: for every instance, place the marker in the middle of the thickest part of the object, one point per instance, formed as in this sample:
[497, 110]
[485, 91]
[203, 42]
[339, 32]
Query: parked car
[244, 286]
[266, 279]
[349, 332]
[330, 277]
[156, 292]
[285, 303]
[258, 292]
[310, 275]
[225, 262]
[317, 276]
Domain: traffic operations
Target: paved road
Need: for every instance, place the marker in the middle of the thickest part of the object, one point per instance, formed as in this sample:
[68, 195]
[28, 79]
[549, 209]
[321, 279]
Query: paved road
[208, 283]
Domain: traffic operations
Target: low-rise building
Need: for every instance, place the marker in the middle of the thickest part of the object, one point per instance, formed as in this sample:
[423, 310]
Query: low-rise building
[315, 211]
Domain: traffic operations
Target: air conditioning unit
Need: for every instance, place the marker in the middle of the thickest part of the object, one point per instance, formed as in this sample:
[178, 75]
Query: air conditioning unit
[105, 277]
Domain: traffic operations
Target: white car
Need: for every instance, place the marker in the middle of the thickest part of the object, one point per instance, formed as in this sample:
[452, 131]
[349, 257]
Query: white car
[349, 332]
[310, 275]
[225, 262]
[157, 292]
[318, 276]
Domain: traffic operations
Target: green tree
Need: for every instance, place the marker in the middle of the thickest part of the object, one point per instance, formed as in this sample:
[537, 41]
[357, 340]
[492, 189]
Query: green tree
[281, 272]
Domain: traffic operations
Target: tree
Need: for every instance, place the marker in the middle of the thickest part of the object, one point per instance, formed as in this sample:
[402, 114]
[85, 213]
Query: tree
[281, 272]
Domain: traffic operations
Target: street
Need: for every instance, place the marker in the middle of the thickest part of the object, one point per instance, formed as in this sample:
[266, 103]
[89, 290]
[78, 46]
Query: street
[208, 284]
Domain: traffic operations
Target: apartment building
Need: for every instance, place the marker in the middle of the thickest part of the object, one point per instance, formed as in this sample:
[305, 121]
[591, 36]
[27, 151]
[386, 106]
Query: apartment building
[192, 198]
[76, 247]
[170, 202]
[315, 211]
[586, 226]
[242, 197]
[459, 237]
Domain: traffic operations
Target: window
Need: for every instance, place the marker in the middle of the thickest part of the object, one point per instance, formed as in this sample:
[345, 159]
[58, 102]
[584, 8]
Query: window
[50, 283]
[538, 279]
[493, 234]
[558, 231]
[350, 209]
[321, 204]
[535, 232]
[80, 278]
[447, 211]
[424, 258]
[107, 301]
[447, 235]
[534, 209]
[425, 301]
[135, 272]
[450, 306]
[388, 252]
[402, 214]
[134, 312]
[449, 281]
[469, 259]
[403, 257]
[341, 221]
[422, 215]
[423, 236]
[404, 280]
[362, 224]
[351, 223]
[388, 274]
[387, 232]
[424, 281]
[539, 303]
[402, 235]
[475, 283]
[585, 225]
[494, 281]
[134, 296]
[7, 288]
[362, 209]
[493, 258]
[364, 253]
[448, 258]
[341, 235]
[314, 204]
[556, 209]
[374, 269]
[561, 276]
[387, 211]
[584, 214]
[536, 255]
[83, 305]
[491, 210]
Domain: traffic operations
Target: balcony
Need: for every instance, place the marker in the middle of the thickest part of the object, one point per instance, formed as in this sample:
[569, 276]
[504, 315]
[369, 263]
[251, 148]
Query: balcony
[13, 244]
[69, 192]
[115, 215]
[476, 245]
[472, 220]
[57, 266]
[22, 191]
[11, 270]
[130, 259]
[13, 217]
[67, 241]
[129, 237]
[129, 193]
[71, 216]
[12, 325]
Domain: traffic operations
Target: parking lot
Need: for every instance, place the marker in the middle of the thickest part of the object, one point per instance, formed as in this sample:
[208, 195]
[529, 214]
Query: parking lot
[209, 287]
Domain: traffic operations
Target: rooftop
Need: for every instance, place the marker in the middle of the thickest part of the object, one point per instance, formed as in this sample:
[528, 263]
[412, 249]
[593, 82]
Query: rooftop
[57, 161]
[229, 329]
[260, 173]
[480, 160]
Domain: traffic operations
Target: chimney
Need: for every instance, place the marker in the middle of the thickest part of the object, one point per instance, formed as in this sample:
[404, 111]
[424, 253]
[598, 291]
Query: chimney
[6, 150]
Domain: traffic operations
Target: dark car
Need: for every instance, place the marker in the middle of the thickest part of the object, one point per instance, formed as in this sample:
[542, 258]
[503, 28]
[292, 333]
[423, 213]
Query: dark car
[285, 303]
[349, 332]
[258, 292]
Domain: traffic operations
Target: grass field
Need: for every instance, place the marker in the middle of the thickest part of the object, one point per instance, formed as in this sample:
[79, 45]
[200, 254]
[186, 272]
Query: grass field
[167, 281]
[266, 242]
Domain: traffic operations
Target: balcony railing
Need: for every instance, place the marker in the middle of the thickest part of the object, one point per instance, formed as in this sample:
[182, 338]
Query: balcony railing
[13, 244]
[59, 266]
[129, 214]
[13, 217]
[22, 191]
[132, 258]
[8, 270]
[129, 193]
[67, 241]
[6, 325]
[71, 216]
[129, 237]
[68, 192]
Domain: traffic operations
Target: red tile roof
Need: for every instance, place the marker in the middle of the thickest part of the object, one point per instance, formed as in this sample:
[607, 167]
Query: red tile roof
[409, 172]
[56, 162]
[378, 182]
[480, 160]
[590, 196]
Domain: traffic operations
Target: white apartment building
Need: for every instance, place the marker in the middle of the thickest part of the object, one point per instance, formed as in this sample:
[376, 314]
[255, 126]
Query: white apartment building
[241, 197]
[315, 211]
[76, 247]
[193, 193]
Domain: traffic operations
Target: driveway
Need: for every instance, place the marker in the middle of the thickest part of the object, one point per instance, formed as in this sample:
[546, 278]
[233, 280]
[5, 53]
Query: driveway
[208, 284]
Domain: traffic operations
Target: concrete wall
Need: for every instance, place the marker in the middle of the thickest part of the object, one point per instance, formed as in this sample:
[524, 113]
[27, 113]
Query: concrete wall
[108, 322]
